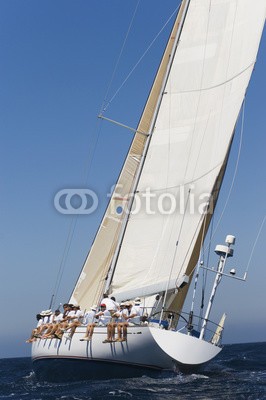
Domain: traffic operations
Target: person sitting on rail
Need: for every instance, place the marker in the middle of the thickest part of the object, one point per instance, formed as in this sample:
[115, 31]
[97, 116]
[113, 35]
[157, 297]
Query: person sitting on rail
[122, 323]
[111, 305]
[56, 331]
[103, 317]
[135, 312]
[89, 320]
[75, 319]
[49, 321]
[34, 333]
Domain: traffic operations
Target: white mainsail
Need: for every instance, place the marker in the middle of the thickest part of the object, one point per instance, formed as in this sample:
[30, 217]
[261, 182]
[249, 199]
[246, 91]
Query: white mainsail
[205, 89]
[190, 141]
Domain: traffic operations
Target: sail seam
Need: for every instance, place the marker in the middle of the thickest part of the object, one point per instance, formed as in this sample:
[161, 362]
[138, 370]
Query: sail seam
[186, 183]
[219, 84]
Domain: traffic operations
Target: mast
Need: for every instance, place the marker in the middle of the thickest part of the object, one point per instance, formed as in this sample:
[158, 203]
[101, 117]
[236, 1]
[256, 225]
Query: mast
[92, 279]
[180, 20]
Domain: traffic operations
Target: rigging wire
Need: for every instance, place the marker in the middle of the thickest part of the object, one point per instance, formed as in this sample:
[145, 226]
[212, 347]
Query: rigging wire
[207, 248]
[199, 262]
[236, 167]
[240, 144]
[140, 59]
[205, 276]
[255, 243]
[202, 72]
[63, 260]
[234, 175]
[174, 257]
[205, 273]
[92, 151]
[237, 163]
[74, 219]
[103, 109]
[190, 150]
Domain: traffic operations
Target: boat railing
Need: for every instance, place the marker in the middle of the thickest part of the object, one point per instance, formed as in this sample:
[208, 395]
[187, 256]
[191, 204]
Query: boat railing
[188, 323]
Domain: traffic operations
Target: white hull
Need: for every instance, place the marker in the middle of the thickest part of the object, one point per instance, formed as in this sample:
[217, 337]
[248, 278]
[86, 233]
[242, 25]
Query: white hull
[147, 348]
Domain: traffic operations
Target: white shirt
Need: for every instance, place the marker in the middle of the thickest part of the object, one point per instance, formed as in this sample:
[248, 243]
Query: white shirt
[75, 315]
[58, 318]
[79, 315]
[122, 314]
[110, 304]
[89, 318]
[139, 308]
[105, 318]
[48, 319]
[136, 319]
[40, 322]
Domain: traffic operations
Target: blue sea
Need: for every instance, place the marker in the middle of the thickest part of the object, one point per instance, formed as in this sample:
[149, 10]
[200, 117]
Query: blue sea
[239, 372]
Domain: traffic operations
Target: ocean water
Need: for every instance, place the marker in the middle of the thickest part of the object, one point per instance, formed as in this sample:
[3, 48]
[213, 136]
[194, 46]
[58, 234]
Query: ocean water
[239, 372]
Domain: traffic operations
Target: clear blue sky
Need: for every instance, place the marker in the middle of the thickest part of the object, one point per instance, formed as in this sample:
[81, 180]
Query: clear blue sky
[57, 59]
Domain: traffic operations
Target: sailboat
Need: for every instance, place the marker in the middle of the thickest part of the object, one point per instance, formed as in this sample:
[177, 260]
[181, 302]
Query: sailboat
[178, 156]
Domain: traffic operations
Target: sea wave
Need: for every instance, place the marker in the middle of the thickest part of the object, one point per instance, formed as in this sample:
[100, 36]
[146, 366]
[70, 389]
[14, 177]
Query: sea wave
[238, 373]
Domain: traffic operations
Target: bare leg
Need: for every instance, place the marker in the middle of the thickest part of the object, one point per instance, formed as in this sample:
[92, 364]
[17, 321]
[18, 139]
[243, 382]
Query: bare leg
[122, 327]
[125, 325]
[50, 331]
[61, 328]
[89, 333]
[91, 330]
[32, 336]
[119, 331]
[72, 328]
[110, 332]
